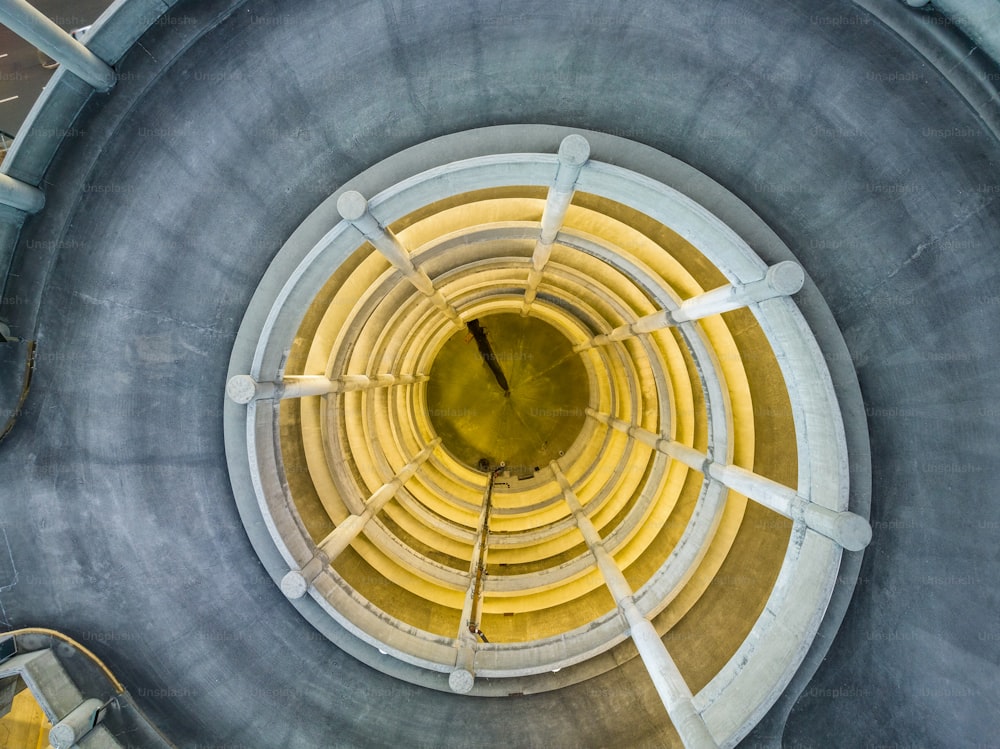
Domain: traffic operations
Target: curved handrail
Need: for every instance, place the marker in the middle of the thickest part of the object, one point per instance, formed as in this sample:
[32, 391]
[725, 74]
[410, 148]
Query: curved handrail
[29, 370]
[119, 687]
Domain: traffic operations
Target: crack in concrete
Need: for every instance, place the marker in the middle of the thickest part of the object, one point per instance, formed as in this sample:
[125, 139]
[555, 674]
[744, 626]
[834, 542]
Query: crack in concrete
[940, 236]
[149, 313]
[13, 568]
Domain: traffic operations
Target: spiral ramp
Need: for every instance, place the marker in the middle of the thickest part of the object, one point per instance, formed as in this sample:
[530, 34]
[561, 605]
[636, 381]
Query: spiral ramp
[734, 268]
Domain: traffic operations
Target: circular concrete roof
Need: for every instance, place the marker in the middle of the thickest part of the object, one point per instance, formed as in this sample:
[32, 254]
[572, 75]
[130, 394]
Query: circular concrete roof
[863, 141]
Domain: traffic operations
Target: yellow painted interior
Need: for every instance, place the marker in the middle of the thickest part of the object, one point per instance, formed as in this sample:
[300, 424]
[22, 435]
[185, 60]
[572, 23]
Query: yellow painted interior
[25, 726]
[747, 547]
[530, 424]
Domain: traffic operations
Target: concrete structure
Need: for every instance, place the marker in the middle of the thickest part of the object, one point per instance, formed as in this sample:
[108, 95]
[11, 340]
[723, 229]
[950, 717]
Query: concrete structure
[573, 154]
[857, 141]
[562, 622]
[35, 27]
[663, 672]
[84, 705]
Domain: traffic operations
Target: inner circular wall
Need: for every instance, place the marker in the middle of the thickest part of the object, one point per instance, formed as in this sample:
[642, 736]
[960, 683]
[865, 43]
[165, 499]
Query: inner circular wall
[576, 673]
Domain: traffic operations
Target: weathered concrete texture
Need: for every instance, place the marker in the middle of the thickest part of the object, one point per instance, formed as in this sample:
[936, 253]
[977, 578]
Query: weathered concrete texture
[14, 376]
[163, 214]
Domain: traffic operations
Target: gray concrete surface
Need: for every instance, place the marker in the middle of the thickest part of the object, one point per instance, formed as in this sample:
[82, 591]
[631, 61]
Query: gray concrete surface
[193, 170]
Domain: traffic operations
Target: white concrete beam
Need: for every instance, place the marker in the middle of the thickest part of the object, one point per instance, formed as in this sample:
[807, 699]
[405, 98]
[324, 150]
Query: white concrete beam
[851, 531]
[574, 151]
[782, 279]
[353, 208]
[670, 685]
[243, 389]
[296, 582]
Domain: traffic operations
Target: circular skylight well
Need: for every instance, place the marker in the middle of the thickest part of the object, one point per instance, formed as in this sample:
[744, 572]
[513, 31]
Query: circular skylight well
[512, 418]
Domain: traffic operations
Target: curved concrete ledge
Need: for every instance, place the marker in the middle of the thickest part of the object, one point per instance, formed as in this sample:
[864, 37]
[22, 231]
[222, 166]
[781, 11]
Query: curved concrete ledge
[973, 71]
[980, 21]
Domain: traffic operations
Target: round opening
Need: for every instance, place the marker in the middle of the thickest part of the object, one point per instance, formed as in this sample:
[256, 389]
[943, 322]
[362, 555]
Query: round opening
[674, 459]
[507, 389]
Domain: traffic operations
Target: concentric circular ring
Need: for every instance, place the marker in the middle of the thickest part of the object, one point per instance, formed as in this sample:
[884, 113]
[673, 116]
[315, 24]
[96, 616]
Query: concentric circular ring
[704, 387]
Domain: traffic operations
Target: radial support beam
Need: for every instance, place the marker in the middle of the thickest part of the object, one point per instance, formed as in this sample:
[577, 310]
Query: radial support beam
[849, 530]
[19, 195]
[462, 679]
[36, 29]
[296, 582]
[783, 279]
[243, 388]
[69, 731]
[342, 536]
[353, 208]
[668, 680]
[573, 154]
[681, 453]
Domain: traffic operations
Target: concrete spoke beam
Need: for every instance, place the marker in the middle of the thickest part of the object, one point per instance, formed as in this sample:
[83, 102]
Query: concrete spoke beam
[243, 389]
[849, 530]
[74, 727]
[353, 208]
[296, 582]
[462, 679]
[574, 151]
[782, 279]
[670, 685]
